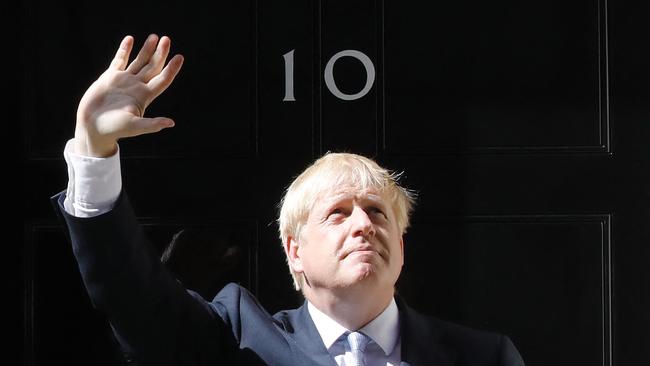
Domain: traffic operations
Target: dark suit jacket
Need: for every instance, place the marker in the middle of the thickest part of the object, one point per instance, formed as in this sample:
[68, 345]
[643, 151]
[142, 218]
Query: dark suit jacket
[161, 323]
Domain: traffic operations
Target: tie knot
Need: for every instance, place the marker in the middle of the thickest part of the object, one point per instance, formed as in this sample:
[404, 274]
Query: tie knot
[358, 341]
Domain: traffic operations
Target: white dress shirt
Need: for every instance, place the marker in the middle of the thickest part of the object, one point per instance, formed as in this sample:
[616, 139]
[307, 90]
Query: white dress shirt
[385, 347]
[94, 185]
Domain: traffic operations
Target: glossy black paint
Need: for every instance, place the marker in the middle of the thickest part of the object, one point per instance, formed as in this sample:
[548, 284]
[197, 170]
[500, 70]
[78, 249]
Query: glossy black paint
[525, 128]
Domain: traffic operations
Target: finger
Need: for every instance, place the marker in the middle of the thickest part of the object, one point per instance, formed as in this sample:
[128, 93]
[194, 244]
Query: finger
[157, 60]
[141, 126]
[160, 82]
[121, 58]
[144, 55]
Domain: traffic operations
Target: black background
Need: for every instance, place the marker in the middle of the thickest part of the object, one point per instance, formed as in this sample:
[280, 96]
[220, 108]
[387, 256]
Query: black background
[524, 126]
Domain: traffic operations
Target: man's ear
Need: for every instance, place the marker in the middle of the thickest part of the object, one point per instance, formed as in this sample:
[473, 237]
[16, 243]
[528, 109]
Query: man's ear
[401, 246]
[293, 254]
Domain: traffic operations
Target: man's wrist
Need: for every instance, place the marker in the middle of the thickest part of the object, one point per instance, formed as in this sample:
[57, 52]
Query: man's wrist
[85, 146]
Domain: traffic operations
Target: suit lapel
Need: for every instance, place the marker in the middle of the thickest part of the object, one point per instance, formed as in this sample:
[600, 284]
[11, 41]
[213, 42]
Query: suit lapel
[421, 344]
[305, 335]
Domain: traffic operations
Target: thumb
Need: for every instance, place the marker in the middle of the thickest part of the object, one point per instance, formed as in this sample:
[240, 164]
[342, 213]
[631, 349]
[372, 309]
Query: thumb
[141, 126]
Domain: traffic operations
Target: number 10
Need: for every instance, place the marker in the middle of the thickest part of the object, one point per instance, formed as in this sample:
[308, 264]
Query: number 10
[329, 75]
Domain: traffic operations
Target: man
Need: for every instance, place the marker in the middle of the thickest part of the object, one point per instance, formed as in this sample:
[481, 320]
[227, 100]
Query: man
[341, 226]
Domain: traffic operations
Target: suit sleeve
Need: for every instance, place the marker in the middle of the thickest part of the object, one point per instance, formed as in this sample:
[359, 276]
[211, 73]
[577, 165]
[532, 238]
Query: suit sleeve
[509, 354]
[150, 312]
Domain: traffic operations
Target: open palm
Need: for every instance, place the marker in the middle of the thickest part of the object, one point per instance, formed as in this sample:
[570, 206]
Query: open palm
[113, 107]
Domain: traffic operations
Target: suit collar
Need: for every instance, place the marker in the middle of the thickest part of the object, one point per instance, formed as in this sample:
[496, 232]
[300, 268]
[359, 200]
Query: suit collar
[383, 330]
[421, 342]
[305, 334]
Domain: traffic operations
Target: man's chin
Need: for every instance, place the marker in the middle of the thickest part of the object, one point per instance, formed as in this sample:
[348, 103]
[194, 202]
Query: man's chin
[364, 271]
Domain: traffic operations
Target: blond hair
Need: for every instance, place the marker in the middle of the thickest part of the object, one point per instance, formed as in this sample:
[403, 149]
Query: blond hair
[332, 171]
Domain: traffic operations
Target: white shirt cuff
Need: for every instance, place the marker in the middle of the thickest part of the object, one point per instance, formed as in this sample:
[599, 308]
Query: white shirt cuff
[94, 184]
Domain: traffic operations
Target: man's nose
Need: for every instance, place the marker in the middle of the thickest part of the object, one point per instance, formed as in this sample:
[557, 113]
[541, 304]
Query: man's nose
[362, 224]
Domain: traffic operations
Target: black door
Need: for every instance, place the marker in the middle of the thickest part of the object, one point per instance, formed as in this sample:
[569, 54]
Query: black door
[524, 127]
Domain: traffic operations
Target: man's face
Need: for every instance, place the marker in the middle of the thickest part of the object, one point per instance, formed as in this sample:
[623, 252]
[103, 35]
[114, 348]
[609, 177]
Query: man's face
[350, 238]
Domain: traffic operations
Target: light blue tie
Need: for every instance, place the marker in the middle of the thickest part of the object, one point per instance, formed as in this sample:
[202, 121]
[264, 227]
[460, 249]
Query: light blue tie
[358, 342]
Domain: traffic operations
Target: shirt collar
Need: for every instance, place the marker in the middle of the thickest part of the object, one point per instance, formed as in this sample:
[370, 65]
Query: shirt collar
[384, 329]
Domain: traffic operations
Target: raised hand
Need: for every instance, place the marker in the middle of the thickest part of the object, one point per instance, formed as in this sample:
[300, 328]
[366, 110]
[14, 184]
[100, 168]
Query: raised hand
[113, 107]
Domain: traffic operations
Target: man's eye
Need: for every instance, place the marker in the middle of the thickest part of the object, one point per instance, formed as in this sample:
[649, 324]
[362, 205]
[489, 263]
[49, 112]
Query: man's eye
[336, 211]
[377, 210]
